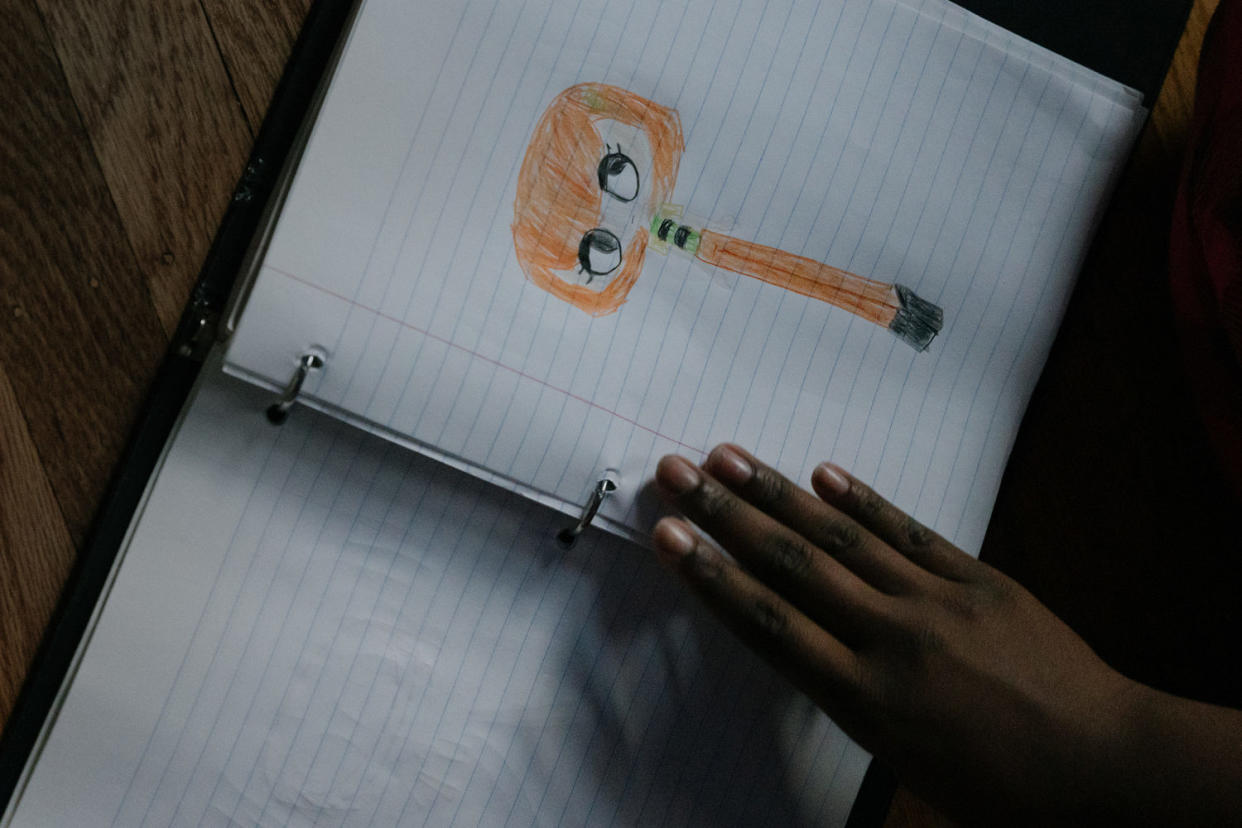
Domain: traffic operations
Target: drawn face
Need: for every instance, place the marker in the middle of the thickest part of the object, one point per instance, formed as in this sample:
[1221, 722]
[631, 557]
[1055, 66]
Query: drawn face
[600, 163]
[623, 175]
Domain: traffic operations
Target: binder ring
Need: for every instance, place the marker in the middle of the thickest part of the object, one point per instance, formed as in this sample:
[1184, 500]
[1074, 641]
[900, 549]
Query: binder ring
[606, 485]
[311, 360]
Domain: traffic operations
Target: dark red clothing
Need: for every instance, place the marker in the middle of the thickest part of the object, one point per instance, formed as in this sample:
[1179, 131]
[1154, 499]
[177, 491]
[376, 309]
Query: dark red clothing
[1206, 243]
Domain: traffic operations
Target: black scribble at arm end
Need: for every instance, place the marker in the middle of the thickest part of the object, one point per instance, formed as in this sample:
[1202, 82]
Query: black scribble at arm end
[918, 321]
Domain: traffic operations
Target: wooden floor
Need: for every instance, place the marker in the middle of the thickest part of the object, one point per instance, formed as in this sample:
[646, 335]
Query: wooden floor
[125, 128]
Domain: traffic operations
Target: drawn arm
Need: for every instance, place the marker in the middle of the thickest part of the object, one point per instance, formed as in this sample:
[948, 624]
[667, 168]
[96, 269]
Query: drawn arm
[912, 319]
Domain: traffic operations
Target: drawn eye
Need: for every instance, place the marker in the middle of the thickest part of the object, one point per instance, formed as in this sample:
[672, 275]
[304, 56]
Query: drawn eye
[618, 176]
[599, 252]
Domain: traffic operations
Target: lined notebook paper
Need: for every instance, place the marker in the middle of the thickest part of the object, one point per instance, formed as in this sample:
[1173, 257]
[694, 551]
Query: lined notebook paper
[308, 628]
[908, 142]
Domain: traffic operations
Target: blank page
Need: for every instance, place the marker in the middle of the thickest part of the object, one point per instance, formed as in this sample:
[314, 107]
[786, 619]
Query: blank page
[909, 143]
[308, 628]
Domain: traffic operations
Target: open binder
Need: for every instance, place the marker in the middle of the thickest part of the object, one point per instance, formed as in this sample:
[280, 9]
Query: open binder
[545, 244]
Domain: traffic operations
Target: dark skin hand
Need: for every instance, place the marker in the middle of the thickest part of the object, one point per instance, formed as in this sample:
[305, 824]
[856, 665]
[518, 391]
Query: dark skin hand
[947, 670]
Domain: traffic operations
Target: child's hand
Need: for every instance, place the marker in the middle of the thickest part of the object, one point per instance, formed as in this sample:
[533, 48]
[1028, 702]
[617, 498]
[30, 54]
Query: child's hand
[946, 669]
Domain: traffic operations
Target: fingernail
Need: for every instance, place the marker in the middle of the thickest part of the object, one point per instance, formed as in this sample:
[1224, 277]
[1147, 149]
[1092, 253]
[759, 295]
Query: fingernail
[673, 540]
[830, 479]
[730, 466]
[677, 475]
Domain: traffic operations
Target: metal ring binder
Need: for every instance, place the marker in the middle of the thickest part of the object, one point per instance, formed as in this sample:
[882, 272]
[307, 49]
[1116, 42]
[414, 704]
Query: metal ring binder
[278, 411]
[606, 485]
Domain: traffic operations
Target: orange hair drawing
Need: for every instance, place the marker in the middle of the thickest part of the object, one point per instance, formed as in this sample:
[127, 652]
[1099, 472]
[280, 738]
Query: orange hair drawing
[558, 196]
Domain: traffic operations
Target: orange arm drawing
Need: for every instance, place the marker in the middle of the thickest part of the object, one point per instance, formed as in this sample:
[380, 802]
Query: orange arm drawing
[913, 320]
[873, 301]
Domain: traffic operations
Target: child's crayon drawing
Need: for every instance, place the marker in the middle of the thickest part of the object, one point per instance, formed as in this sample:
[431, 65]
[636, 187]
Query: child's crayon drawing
[592, 196]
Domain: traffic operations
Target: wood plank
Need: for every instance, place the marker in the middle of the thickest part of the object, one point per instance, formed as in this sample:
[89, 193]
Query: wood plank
[143, 160]
[255, 40]
[36, 550]
[1171, 114]
[165, 124]
[80, 337]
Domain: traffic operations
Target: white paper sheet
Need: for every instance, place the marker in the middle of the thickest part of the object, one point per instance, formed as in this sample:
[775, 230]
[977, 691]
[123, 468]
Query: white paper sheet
[310, 627]
[908, 142]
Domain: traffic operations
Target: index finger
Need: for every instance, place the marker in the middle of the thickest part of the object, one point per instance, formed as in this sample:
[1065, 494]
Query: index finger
[814, 659]
[788, 563]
